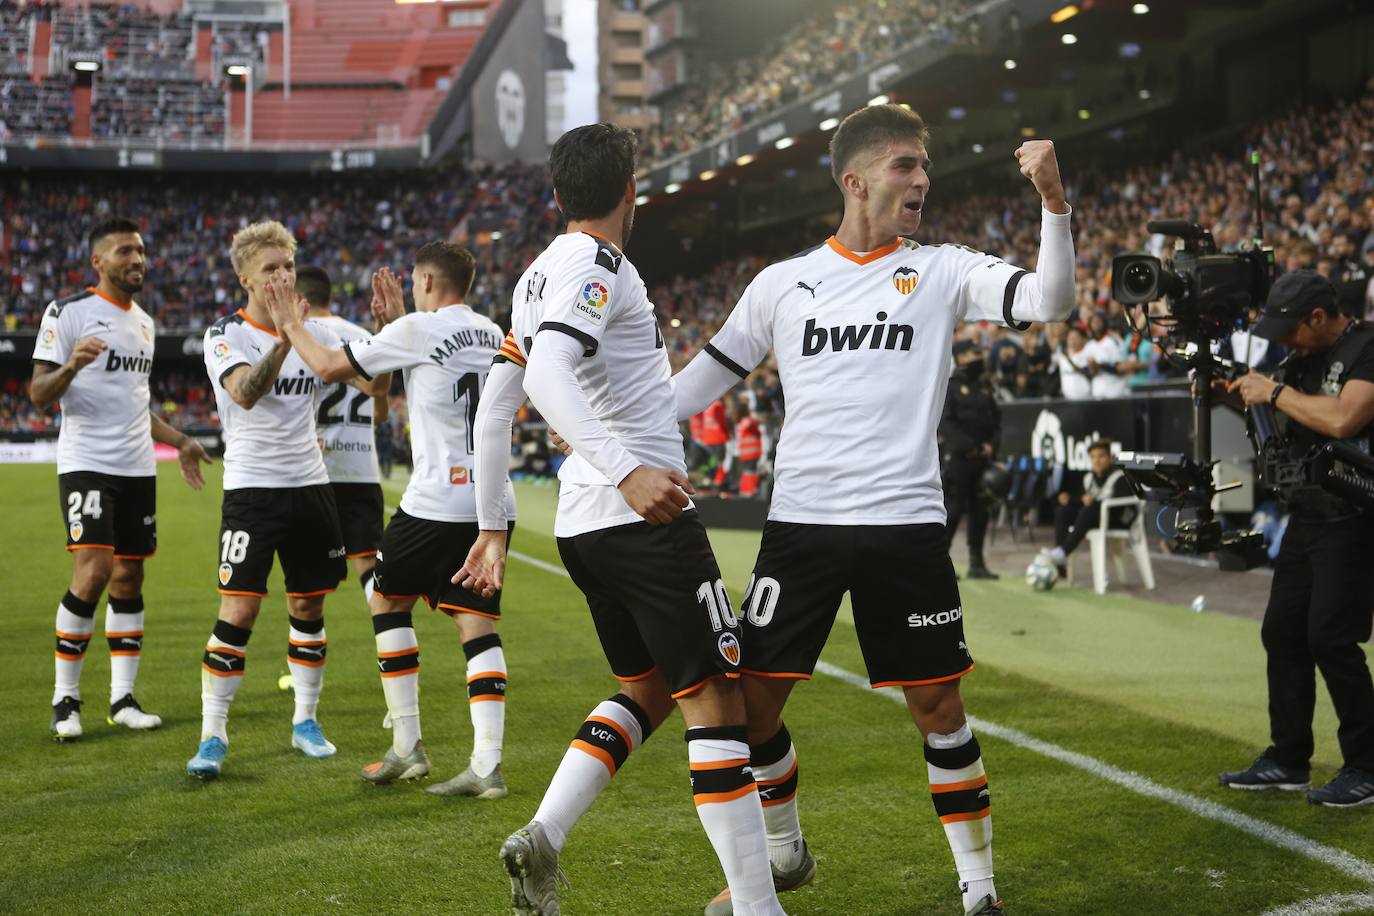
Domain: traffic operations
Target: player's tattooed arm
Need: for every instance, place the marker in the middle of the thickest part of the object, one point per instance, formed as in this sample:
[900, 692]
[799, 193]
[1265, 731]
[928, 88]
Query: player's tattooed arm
[247, 384]
[51, 382]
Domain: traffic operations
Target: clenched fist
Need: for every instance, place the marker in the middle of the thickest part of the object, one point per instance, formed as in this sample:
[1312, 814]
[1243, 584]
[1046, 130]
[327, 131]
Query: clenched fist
[1038, 163]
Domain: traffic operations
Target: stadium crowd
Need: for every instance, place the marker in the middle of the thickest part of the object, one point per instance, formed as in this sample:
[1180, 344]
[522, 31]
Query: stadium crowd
[1319, 188]
[138, 44]
[815, 53]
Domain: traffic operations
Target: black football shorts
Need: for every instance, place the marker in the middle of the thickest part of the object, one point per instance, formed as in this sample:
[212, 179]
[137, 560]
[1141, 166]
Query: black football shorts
[298, 524]
[901, 585]
[418, 559]
[657, 601]
[360, 516]
[108, 512]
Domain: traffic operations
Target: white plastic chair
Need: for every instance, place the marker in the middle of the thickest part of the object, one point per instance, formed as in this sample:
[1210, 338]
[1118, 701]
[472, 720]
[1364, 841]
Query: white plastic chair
[1120, 540]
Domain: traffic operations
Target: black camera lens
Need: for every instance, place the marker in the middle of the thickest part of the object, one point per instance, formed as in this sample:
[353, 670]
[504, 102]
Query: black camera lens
[1139, 279]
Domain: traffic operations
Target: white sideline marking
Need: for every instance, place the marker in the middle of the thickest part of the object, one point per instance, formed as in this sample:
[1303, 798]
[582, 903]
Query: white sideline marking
[1326, 906]
[1272, 834]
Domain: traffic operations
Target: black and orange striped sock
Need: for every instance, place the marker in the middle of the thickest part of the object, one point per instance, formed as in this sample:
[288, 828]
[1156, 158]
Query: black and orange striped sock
[602, 745]
[124, 634]
[398, 658]
[75, 622]
[307, 647]
[775, 772]
[727, 803]
[221, 673]
[486, 674]
[959, 789]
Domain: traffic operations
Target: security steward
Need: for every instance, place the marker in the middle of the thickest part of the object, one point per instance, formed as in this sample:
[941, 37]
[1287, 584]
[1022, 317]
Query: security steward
[1322, 594]
[969, 430]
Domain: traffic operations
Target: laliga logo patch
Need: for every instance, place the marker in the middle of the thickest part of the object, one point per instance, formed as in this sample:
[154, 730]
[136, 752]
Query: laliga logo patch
[458, 476]
[76, 529]
[221, 350]
[905, 279]
[226, 572]
[594, 299]
[49, 337]
[729, 648]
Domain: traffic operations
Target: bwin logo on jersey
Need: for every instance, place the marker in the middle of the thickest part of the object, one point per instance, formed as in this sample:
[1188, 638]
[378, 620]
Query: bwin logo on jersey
[857, 337]
[142, 364]
[905, 279]
[300, 384]
[934, 620]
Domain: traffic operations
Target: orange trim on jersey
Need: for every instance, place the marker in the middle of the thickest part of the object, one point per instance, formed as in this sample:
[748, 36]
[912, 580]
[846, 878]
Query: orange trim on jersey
[794, 675]
[614, 726]
[978, 783]
[364, 553]
[398, 653]
[205, 667]
[90, 547]
[597, 235]
[225, 591]
[135, 556]
[637, 677]
[74, 636]
[481, 674]
[452, 609]
[323, 591]
[710, 798]
[862, 259]
[119, 305]
[242, 313]
[592, 750]
[109, 635]
[965, 816]
[934, 680]
[702, 683]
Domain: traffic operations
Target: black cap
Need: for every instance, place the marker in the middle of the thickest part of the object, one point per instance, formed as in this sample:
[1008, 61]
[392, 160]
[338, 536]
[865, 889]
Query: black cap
[964, 346]
[1292, 297]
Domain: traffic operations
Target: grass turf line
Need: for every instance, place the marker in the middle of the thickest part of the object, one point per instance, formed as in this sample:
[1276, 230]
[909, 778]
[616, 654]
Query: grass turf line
[112, 823]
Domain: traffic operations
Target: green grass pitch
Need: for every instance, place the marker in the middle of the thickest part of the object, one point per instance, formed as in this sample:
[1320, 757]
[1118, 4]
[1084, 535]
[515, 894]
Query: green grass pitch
[112, 823]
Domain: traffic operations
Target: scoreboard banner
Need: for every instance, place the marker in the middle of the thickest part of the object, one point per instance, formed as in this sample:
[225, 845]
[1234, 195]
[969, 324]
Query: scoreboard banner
[21, 155]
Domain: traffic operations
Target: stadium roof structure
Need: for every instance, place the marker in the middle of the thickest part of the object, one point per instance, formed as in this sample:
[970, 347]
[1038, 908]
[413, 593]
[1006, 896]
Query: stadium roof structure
[1094, 71]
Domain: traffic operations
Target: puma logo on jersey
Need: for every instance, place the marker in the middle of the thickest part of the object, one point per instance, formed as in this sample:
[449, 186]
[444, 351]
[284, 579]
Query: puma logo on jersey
[300, 384]
[809, 289]
[141, 364]
[854, 337]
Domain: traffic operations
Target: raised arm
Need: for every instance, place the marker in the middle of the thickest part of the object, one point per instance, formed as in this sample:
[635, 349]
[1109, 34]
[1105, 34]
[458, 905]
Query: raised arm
[51, 381]
[331, 364]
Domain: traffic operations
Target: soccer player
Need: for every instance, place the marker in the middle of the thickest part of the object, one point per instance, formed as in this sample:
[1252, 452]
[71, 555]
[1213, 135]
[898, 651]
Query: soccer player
[344, 420]
[862, 326]
[276, 498]
[94, 353]
[596, 368]
[445, 350]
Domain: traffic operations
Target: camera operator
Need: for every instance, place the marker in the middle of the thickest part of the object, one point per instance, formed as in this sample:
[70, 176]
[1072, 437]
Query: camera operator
[1323, 589]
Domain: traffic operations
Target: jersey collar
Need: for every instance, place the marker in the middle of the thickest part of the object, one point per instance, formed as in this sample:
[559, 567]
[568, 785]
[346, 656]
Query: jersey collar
[243, 313]
[862, 259]
[95, 292]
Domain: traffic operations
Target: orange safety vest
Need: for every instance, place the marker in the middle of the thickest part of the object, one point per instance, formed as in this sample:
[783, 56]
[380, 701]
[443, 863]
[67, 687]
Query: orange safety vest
[694, 427]
[714, 425]
[748, 440]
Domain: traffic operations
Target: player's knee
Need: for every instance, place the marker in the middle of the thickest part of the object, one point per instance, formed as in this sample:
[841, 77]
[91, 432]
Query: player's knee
[936, 708]
[471, 626]
[126, 578]
[91, 573]
[651, 693]
[306, 608]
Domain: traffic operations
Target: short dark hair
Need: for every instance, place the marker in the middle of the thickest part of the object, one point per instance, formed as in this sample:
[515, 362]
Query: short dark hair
[453, 264]
[112, 226]
[314, 284]
[591, 167]
[1101, 445]
[873, 126]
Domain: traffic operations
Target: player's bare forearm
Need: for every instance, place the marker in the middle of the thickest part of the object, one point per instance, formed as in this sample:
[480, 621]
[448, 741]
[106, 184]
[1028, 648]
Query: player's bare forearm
[381, 404]
[190, 453]
[376, 386]
[49, 384]
[165, 433]
[248, 384]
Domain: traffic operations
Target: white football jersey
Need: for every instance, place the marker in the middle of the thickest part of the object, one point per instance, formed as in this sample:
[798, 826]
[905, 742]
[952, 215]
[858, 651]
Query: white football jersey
[446, 355]
[273, 444]
[863, 350]
[584, 287]
[343, 419]
[106, 426]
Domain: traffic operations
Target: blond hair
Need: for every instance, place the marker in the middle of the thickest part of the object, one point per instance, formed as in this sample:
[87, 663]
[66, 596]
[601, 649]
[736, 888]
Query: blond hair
[251, 240]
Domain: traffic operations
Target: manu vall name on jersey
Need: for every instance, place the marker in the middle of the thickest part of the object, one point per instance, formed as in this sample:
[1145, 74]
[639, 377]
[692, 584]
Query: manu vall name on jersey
[857, 337]
[456, 341]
